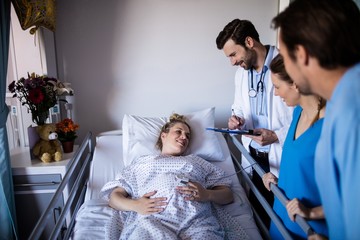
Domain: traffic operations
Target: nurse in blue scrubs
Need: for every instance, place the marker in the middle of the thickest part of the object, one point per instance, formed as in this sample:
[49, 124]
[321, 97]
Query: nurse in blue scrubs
[297, 176]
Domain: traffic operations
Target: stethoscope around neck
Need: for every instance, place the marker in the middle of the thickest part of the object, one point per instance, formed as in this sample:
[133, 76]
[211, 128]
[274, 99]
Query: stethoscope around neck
[260, 85]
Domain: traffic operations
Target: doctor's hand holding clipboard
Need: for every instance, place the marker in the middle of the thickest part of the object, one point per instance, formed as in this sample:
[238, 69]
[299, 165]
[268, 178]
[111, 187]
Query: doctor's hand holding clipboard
[260, 135]
[263, 136]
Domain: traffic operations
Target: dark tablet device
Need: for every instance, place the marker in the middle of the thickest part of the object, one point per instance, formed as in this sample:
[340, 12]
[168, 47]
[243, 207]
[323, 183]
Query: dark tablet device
[234, 131]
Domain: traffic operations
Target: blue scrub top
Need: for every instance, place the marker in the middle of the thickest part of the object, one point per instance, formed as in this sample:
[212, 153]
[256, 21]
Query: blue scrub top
[297, 177]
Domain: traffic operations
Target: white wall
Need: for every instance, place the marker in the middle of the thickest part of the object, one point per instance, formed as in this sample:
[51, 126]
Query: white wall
[150, 57]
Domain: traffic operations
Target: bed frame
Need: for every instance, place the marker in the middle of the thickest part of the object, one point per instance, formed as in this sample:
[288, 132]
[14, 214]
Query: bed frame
[237, 149]
[76, 179]
[81, 163]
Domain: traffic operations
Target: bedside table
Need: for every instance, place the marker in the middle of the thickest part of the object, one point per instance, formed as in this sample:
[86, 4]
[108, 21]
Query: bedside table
[35, 183]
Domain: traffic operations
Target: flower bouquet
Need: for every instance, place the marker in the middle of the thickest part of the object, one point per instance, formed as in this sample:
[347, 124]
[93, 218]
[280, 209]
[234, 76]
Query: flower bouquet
[38, 94]
[66, 130]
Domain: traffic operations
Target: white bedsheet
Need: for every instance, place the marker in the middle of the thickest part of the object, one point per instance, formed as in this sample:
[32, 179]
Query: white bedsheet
[107, 162]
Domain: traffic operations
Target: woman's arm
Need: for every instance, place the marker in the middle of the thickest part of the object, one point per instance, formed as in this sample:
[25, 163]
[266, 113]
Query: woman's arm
[120, 200]
[220, 195]
[196, 192]
[296, 207]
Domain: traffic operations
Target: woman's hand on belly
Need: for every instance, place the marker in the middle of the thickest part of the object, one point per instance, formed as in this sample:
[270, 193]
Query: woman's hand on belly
[193, 191]
[147, 205]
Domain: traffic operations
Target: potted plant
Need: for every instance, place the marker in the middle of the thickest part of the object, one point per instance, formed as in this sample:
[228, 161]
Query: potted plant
[66, 130]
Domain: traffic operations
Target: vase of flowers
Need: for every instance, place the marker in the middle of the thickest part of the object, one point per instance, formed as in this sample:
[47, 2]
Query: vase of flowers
[38, 94]
[66, 130]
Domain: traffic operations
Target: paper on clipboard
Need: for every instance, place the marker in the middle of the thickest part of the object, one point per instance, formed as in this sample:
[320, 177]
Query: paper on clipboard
[234, 131]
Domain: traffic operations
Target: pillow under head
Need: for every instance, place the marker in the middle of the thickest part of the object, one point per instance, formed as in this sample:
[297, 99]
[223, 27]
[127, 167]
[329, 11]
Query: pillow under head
[141, 133]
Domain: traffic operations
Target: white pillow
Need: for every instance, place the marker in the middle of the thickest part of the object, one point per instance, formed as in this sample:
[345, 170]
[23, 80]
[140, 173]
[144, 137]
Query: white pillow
[141, 133]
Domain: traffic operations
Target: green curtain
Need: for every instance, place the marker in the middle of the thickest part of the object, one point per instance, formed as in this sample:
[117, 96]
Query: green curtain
[7, 203]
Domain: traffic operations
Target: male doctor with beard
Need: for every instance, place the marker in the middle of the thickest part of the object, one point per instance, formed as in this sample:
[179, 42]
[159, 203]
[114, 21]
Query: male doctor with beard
[255, 105]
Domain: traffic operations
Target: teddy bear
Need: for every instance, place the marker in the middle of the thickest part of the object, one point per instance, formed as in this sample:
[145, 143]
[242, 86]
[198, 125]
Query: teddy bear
[48, 148]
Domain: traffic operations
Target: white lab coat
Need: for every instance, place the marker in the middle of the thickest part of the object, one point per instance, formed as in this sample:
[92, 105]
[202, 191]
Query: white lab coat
[279, 114]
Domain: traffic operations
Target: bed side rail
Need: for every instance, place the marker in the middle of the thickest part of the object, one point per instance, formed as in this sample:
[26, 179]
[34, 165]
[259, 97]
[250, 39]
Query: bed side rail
[80, 162]
[274, 188]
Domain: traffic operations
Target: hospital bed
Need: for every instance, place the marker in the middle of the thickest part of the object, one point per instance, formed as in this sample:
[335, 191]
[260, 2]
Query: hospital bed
[115, 149]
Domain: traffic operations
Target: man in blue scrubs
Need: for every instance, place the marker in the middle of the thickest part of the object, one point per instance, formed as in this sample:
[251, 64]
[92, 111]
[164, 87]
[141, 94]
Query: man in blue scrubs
[320, 43]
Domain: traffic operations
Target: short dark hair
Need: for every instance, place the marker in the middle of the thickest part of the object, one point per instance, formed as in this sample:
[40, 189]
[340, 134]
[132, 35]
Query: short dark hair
[237, 30]
[277, 67]
[328, 30]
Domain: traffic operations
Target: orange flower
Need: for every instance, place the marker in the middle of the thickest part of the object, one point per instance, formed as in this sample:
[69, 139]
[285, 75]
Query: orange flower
[66, 130]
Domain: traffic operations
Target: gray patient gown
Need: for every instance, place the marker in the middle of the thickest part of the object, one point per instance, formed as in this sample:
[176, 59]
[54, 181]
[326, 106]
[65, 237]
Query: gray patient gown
[181, 219]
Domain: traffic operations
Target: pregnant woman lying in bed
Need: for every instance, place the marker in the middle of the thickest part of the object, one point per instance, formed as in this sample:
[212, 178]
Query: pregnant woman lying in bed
[170, 196]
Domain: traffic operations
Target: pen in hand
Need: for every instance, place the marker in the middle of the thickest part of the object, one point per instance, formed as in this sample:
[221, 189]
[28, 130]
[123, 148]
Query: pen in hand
[233, 112]
[236, 117]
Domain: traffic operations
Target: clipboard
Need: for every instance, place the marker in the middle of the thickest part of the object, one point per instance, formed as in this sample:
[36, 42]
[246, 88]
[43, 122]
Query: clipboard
[234, 131]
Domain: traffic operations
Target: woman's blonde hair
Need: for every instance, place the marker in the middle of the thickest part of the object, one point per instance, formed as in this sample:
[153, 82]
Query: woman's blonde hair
[174, 118]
